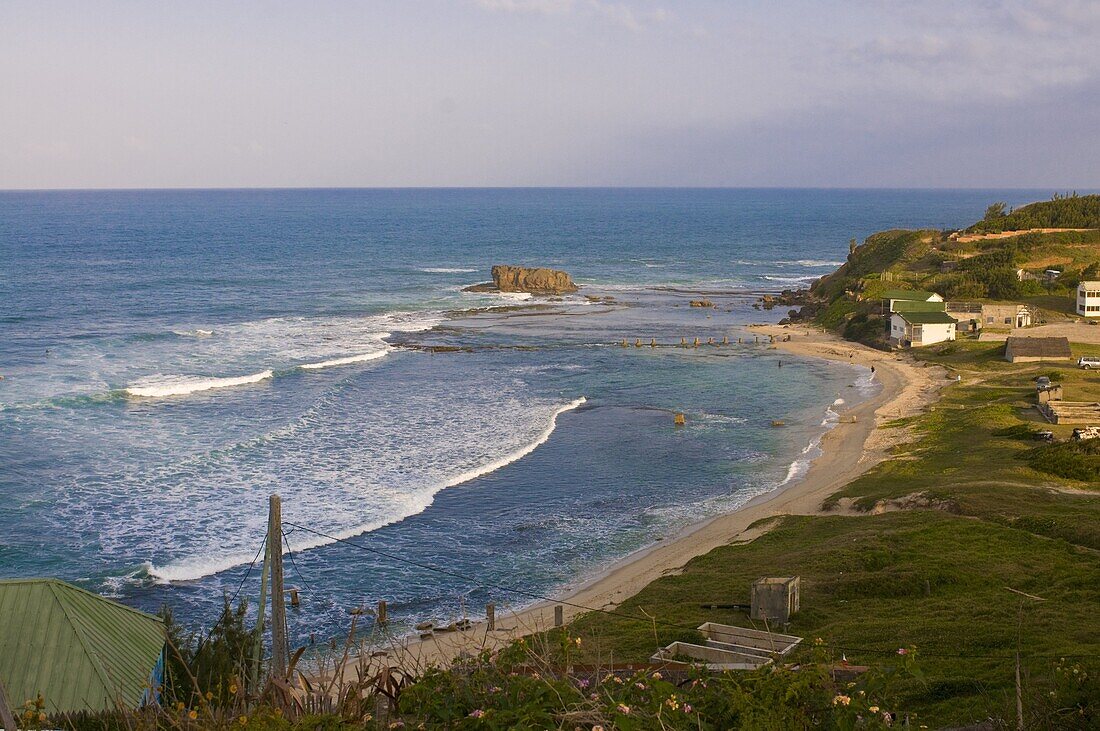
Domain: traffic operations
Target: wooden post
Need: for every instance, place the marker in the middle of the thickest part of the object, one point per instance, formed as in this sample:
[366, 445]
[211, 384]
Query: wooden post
[279, 649]
[382, 617]
[258, 645]
[559, 618]
[295, 600]
[6, 716]
[1019, 695]
[490, 617]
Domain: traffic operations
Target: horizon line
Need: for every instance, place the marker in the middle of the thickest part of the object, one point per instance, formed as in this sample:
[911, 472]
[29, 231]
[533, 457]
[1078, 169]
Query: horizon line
[167, 189]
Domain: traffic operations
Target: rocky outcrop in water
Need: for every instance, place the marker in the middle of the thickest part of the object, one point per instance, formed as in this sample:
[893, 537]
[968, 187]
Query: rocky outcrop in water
[532, 280]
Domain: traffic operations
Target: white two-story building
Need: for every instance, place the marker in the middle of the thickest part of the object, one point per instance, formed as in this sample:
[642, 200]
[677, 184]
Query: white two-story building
[1088, 299]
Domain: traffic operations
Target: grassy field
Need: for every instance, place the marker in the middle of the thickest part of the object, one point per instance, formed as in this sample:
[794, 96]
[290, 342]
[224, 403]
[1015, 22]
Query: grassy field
[934, 578]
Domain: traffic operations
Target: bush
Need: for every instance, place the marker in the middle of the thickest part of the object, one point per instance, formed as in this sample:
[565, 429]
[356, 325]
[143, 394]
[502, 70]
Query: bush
[503, 692]
[216, 662]
[1072, 460]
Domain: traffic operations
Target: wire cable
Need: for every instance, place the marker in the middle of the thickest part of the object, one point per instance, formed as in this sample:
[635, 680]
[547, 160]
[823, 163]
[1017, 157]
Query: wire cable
[294, 565]
[249, 570]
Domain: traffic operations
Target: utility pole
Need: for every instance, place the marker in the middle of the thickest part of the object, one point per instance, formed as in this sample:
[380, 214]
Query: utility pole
[279, 647]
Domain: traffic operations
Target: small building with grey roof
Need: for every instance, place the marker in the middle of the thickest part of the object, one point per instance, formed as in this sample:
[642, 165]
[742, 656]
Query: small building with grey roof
[1024, 350]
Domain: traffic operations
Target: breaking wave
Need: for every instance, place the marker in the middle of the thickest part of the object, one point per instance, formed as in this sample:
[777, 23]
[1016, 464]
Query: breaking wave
[197, 567]
[344, 361]
[159, 386]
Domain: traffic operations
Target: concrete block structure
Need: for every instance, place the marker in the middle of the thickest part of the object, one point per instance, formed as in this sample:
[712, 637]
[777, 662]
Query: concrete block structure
[774, 599]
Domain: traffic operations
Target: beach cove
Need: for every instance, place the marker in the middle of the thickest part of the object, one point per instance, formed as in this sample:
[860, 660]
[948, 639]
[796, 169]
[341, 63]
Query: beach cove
[859, 439]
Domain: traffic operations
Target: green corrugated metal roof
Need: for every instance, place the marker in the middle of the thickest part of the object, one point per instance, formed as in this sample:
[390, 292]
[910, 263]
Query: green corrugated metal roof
[918, 306]
[79, 650]
[927, 318]
[906, 294]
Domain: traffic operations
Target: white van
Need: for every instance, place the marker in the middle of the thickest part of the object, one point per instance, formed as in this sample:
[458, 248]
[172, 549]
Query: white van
[1088, 362]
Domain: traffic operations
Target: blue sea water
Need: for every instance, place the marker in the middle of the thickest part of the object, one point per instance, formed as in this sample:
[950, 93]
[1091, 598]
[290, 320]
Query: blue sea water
[169, 358]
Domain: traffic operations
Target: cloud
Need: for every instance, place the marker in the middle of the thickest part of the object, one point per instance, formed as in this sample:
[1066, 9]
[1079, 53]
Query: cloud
[616, 13]
[540, 7]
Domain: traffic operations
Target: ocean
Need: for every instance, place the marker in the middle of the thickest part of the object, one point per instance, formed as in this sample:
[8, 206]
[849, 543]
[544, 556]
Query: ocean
[170, 358]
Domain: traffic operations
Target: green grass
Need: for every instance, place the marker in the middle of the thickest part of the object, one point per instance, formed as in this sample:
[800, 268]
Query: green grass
[932, 578]
[873, 584]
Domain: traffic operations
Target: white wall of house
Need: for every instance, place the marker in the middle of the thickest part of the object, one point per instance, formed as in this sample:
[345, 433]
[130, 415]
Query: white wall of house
[898, 331]
[936, 333]
[1088, 299]
[918, 335]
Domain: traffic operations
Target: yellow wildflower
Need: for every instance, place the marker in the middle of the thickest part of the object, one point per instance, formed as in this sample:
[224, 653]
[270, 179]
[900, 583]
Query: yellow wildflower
[193, 715]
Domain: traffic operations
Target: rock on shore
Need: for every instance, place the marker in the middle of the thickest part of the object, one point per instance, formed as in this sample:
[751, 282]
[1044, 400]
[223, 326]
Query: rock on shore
[532, 280]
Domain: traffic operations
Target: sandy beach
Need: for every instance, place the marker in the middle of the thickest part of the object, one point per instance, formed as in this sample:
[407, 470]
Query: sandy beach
[858, 442]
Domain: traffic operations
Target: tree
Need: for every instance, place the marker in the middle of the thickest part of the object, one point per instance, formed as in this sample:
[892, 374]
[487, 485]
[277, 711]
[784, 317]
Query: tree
[995, 211]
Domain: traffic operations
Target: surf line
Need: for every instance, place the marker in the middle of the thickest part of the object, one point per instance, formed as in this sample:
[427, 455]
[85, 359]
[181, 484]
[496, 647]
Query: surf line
[198, 568]
[161, 386]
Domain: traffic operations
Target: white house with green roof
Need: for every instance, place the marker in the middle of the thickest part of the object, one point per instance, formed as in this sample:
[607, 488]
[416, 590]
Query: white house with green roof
[913, 329]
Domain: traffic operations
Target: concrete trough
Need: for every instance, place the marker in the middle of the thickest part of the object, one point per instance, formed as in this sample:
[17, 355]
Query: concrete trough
[731, 648]
[714, 658]
[750, 640]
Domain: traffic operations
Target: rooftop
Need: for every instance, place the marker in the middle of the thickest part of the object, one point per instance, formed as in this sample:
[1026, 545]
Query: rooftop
[918, 306]
[907, 294]
[79, 650]
[927, 318]
[1039, 347]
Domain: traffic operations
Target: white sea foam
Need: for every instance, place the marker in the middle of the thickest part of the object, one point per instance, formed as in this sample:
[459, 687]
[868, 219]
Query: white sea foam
[789, 280]
[865, 384]
[813, 263]
[161, 385]
[799, 467]
[345, 361]
[404, 505]
[196, 333]
[447, 270]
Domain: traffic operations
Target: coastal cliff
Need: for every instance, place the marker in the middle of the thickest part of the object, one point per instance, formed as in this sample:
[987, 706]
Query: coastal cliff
[532, 280]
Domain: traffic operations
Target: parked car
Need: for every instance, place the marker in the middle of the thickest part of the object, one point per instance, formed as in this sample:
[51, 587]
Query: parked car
[1042, 382]
[1088, 362]
[1045, 436]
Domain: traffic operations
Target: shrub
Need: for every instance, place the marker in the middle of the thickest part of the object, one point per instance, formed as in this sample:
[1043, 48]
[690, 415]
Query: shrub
[1072, 460]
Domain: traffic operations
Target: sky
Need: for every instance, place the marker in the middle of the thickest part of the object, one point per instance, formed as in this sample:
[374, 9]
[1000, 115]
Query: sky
[861, 93]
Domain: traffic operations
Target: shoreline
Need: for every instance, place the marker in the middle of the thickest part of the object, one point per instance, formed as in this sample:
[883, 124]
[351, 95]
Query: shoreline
[855, 444]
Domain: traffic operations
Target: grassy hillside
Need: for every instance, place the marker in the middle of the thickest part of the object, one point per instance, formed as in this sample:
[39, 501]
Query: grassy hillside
[969, 513]
[962, 267]
[1068, 211]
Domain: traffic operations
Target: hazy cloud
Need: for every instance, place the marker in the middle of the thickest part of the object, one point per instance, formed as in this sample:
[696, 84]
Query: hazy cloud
[550, 92]
[619, 13]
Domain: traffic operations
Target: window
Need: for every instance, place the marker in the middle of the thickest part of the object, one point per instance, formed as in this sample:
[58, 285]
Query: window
[1008, 320]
